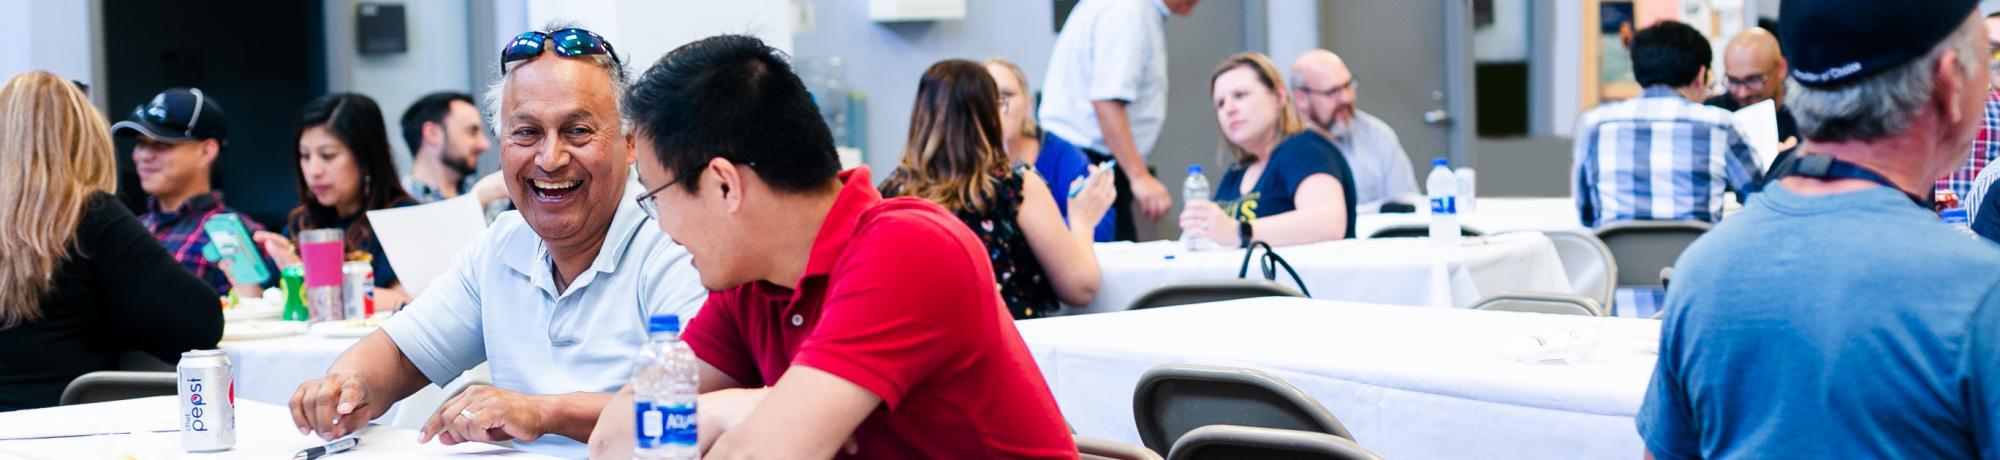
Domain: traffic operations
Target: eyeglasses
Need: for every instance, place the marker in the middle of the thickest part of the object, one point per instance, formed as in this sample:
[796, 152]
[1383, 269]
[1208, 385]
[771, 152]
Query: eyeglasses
[1329, 92]
[646, 202]
[652, 207]
[1753, 82]
[569, 42]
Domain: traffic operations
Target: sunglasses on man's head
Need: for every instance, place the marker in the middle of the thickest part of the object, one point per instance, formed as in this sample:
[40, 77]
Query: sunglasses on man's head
[569, 42]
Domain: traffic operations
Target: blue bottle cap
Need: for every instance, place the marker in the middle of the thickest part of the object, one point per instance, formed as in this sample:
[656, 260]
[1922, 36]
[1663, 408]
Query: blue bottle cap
[664, 323]
[1440, 162]
[1194, 168]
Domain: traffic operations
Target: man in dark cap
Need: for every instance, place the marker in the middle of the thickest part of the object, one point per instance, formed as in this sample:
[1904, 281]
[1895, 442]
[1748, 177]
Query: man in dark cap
[1836, 316]
[180, 133]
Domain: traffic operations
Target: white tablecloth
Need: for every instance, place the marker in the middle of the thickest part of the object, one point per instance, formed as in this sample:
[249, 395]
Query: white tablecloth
[1493, 216]
[269, 370]
[263, 431]
[1409, 383]
[1400, 271]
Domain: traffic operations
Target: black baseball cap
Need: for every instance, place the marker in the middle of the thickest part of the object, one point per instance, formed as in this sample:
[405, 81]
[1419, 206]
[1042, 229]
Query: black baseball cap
[177, 115]
[1832, 42]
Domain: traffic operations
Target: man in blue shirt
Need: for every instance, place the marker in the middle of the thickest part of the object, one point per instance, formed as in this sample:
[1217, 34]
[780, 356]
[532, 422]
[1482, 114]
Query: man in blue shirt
[1836, 316]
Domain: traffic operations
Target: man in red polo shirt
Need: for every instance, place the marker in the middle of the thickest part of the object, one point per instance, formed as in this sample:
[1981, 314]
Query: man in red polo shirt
[841, 322]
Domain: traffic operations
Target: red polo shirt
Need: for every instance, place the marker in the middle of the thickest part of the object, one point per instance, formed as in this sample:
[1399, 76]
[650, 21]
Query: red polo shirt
[897, 297]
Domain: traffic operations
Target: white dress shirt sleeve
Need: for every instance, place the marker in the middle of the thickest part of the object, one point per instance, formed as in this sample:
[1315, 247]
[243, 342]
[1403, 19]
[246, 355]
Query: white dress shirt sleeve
[1119, 53]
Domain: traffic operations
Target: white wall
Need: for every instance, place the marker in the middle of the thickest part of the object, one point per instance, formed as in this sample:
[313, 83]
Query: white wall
[1291, 28]
[645, 30]
[437, 60]
[1507, 39]
[884, 61]
[1568, 51]
[49, 35]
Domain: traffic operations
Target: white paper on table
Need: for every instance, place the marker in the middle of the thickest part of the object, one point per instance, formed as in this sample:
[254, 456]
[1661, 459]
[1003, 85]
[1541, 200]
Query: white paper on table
[86, 420]
[423, 240]
[1759, 125]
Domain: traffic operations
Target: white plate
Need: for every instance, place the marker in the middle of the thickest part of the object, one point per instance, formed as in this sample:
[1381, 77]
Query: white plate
[344, 329]
[261, 329]
[248, 312]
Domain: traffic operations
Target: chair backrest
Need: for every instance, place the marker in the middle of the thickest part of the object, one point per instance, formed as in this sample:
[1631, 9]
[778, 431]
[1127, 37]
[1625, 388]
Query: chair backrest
[1177, 398]
[1587, 261]
[1101, 449]
[104, 386]
[1233, 442]
[1643, 247]
[1542, 302]
[1211, 291]
[1419, 230]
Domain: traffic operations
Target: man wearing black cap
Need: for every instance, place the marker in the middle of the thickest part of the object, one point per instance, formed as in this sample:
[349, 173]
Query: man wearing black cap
[180, 133]
[1836, 316]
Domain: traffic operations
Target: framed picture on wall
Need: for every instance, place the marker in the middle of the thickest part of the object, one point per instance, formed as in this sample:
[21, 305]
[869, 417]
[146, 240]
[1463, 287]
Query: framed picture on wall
[1607, 61]
[1608, 26]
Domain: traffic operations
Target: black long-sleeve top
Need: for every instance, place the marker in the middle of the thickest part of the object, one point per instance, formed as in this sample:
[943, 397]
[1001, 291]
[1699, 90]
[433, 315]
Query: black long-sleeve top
[119, 290]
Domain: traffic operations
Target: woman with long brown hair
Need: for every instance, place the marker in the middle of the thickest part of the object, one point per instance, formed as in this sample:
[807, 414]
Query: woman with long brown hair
[344, 172]
[82, 280]
[956, 158]
[1288, 184]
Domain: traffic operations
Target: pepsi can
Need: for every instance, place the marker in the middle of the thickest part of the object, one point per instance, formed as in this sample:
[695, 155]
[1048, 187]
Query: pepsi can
[357, 283]
[208, 401]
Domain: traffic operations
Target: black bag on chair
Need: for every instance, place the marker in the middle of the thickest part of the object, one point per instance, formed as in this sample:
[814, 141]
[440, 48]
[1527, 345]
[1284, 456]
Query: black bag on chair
[1269, 264]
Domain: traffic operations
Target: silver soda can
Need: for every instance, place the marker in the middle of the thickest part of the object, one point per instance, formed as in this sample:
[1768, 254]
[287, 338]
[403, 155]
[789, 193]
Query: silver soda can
[208, 401]
[357, 283]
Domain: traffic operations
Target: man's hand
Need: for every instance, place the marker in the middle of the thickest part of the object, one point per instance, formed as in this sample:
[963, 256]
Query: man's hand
[1153, 199]
[333, 406]
[483, 413]
[243, 289]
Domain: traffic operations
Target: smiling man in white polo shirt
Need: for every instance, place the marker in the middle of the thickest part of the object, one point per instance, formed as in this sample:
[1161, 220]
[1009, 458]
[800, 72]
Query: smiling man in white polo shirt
[555, 296]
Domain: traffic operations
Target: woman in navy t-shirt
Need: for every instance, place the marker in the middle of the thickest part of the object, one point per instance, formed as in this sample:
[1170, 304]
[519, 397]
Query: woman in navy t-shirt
[1289, 185]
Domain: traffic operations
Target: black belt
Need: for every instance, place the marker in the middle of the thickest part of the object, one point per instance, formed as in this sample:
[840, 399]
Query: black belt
[1829, 168]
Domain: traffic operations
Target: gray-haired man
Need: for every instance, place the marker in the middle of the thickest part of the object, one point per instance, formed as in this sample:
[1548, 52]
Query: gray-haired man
[1835, 316]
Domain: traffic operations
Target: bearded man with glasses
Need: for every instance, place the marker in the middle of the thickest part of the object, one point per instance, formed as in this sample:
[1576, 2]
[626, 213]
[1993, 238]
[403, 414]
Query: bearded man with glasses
[1324, 91]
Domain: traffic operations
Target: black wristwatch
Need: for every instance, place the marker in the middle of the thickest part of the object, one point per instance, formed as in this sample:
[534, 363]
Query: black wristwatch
[1242, 234]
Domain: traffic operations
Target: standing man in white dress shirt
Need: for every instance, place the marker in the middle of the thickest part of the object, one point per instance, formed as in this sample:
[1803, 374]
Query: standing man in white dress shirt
[1106, 93]
[1324, 91]
[556, 296]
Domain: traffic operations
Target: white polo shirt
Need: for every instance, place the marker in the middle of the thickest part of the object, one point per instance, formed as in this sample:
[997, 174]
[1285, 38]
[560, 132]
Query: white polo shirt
[1108, 50]
[499, 304]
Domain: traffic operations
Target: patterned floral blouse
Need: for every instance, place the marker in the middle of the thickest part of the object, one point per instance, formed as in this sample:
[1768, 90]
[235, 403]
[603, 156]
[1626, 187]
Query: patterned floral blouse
[1018, 273]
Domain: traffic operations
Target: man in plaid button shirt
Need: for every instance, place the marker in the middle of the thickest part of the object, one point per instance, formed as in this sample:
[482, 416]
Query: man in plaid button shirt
[1663, 155]
[180, 133]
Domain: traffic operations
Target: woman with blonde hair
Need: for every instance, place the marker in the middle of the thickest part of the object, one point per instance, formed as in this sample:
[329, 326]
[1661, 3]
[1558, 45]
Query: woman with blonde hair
[82, 281]
[1056, 160]
[1288, 184]
[955, 158]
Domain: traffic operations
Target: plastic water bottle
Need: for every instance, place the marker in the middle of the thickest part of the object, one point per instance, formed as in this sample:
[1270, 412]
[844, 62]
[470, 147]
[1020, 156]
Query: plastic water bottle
[1195, 190]
[1442, 186]
[1468, 196]
[665, 380]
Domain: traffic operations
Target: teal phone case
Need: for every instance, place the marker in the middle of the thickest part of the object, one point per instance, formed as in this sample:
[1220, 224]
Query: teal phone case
[229, 240]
